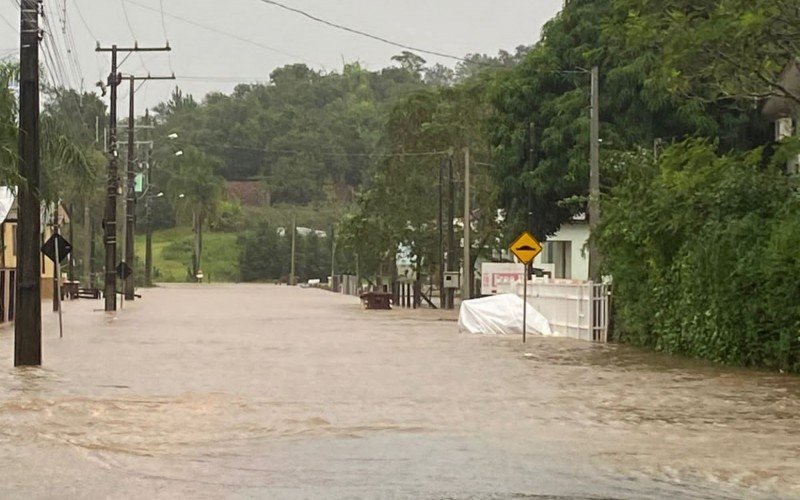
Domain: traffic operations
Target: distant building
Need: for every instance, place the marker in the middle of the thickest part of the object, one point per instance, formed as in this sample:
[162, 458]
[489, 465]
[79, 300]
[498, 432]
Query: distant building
[784, 111]
[565, 254]
[248, 193]
[8, 253]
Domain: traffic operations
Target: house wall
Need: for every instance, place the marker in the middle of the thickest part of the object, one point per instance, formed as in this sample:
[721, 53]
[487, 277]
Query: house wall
[9, 231]
[568, 252]
[9, 250]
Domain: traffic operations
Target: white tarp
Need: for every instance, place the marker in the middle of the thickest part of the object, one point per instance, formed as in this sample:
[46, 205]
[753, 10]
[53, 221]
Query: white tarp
[500, 315]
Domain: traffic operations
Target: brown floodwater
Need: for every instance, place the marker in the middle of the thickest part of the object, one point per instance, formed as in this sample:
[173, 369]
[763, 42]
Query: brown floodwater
[236, 391]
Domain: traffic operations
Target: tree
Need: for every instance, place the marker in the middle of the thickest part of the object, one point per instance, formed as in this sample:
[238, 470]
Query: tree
[195, 188]
[716, 50]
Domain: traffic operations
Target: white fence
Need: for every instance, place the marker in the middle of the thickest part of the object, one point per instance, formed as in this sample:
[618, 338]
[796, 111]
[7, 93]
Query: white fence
[575, 309]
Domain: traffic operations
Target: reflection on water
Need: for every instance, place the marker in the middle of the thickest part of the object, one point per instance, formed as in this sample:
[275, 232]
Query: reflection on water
[252, 391]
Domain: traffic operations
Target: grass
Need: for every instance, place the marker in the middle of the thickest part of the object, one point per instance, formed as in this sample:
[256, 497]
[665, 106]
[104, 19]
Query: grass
[172, 255]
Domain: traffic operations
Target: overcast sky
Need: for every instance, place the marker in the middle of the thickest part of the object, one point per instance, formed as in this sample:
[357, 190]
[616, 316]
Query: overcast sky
[249, 38]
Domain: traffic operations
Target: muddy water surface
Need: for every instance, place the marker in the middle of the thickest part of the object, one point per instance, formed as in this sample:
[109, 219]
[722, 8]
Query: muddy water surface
[272, 392]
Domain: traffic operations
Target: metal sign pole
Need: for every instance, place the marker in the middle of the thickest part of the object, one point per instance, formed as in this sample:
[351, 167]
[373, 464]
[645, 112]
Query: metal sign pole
[525, 304]
[57, 268]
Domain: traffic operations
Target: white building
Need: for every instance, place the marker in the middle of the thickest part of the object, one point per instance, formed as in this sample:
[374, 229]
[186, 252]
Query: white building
[785, 111]
[566, 253]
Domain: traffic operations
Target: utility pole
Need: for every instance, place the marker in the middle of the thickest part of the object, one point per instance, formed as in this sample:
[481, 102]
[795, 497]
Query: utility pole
[594, 177]
[88, 253]
[442, 299]
[292, 277]
[130, 197]
[28, 324]
[148, 245]
[334, 279]
[130, 200]
[56, 264]
[451, 237]
[467, 285]
[110, 221]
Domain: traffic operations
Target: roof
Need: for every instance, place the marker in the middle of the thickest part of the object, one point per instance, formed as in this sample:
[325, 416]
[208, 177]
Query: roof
[780, 106]
[249, 193]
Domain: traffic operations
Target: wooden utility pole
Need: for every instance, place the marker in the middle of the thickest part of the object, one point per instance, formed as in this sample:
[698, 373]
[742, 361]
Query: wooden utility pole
[28, 323]
[110, 221]
[467, 285]
[594, 177]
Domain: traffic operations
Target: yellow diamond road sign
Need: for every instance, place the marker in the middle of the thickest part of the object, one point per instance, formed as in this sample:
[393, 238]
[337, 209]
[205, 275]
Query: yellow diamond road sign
[526, 248]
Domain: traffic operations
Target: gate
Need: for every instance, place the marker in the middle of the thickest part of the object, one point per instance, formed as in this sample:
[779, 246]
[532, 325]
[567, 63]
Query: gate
[575, 309]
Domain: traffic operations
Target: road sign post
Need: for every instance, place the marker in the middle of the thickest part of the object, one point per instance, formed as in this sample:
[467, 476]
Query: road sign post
[525, 248]
[525, 304]
[124, 272]
[57, 248]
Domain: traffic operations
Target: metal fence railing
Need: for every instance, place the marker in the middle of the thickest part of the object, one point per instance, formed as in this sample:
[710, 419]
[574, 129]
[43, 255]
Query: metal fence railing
[575, 309]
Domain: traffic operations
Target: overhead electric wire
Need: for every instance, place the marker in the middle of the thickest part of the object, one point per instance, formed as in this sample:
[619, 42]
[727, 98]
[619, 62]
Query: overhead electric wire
[364, 33]
[85, 24]
[71, 63]
[237, 79]
[130, 29]
[166, 36]
[328, 153]
[224, 33]
[398, 44]
[15, 28]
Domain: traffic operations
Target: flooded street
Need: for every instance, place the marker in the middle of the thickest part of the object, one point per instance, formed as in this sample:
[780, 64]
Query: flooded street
[234, 391]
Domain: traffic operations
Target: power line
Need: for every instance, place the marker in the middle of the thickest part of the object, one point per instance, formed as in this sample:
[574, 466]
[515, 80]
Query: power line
[364, 33]
[166, 36]
[236, 79]
[85, 24]
[223, 33]
[130, 29]
[398, 44]
[294, 152]
[15, 28]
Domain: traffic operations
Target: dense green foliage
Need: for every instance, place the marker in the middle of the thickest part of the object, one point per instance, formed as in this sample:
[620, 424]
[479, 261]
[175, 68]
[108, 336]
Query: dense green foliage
[266, 255]
[703, 251]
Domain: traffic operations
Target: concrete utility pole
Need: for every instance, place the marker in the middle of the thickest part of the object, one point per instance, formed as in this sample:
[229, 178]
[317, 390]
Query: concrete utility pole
[148, 245]
[334, 278]
[28, 324]
[130, 197]
[442, 297]
[451, 236]
[594, 177]
[110, 221]
[130, 200]
[292, 277]
[467, 285]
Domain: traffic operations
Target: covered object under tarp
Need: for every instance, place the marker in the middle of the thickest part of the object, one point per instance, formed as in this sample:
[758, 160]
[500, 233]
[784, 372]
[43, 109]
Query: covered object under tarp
[500, 315]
